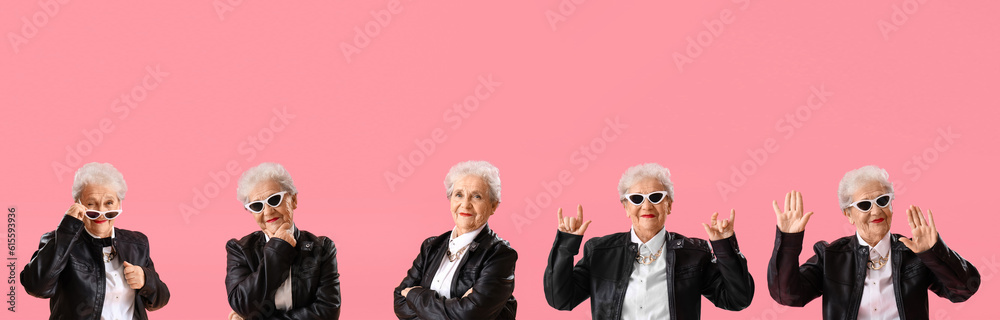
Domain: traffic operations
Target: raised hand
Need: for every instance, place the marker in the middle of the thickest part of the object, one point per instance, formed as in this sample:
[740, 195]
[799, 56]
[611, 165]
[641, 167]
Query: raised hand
[134, 276]
[791, 219]
[284, 232]
[925, 234]
[574, 225]
[76, 211]
[720, 229]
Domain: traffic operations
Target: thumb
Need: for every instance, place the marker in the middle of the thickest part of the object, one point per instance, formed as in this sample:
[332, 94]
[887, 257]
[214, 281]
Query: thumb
[127, 265]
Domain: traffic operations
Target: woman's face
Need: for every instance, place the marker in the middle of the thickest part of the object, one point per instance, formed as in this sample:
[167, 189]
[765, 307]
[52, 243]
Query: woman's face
[874, 224]
[647, 218]
[471, 204]
[100, 198]
[272, 217]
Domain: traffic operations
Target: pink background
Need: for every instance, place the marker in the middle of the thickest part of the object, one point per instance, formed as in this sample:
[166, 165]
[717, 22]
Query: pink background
[888, 98]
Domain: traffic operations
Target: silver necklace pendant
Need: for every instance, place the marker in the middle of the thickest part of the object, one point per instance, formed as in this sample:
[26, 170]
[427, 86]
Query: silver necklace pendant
[646, 260]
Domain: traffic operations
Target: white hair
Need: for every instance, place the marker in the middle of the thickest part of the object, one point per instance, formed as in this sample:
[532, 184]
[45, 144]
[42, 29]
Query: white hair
[267, 171]
[103, 174]
[856, 178]
[482, 169]
[646, 170]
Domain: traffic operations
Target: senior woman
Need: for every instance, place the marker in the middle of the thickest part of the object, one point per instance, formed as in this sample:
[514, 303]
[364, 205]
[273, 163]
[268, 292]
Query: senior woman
[872, 274]
[468, 272]
[88, 268]
[648, 272]
[279, 271]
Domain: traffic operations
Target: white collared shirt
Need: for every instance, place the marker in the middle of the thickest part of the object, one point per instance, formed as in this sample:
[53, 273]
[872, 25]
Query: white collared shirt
[878, 301]
[646, 296]
[283, 295]
[446, 272]
[119, 298]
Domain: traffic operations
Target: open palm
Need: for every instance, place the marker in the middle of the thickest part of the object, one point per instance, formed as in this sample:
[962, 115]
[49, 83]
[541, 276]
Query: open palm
[791, 219]
[924, 231]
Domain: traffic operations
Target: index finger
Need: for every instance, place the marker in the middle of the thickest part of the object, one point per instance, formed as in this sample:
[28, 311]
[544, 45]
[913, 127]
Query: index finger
[579, 212]
[732, 216]
[559, 216]
[931, 215]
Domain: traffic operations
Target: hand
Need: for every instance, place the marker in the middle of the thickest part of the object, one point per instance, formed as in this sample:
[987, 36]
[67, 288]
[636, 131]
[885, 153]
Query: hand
[407, 290]
[791, 220]
[284, 232]
[234, 316]
[76, 211]
[467, 293]
[574, 225]
[718, 230]
[135, 276]
[925, 234]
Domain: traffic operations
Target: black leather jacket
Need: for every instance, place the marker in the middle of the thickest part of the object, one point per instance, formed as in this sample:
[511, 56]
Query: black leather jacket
[487, 267]
[837, 272]
[68, 269]
[256, 268]
[603, 274]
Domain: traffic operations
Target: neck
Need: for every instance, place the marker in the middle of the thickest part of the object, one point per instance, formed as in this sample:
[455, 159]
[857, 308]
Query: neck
[459, 231]
[872, 241]
[646, 235]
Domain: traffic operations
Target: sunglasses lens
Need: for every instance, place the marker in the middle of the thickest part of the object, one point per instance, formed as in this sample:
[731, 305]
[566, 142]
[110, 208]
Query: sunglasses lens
[635, 199]
[655, 198]
[274, 200]
[256, 206]
[883, 201]
[112, 214]
[93, 214]
[865, 205]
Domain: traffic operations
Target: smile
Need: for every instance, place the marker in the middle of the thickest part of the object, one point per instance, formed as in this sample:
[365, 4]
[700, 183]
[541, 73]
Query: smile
[879, 220]
[272, 220]
[100, 221]
[648, 216]
[465, 214]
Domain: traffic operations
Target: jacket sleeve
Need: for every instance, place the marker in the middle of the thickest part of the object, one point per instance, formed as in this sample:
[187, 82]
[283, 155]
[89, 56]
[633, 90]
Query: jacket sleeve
[490, 291]
[154, 292]
[567, 286]
[954, 278]
[789, 283]
[326, 304]
[413, 278]
[40, 276]
[729, 284]
[252, 292]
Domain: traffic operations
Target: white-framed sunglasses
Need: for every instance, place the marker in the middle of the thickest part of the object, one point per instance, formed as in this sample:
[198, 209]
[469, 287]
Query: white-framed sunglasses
[273, 200]
[94, 214]
[653, 197]
[866, 205]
